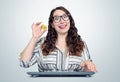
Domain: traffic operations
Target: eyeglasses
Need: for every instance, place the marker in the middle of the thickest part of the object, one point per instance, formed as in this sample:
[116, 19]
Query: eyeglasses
[58, 18]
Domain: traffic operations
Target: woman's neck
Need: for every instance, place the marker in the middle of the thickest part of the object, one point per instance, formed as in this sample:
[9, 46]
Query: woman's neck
[61, 42]
[62, 38]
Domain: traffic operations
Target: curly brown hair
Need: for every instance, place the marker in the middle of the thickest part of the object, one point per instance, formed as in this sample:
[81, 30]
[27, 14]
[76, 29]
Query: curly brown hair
[74, 42]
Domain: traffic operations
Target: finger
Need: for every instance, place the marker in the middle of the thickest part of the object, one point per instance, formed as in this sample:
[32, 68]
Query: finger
[37, 23]
[83, 64]
[88, 67]
[33, 24]
[93, 68]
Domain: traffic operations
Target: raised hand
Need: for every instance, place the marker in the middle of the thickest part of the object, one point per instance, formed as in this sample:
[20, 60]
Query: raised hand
[37, 30]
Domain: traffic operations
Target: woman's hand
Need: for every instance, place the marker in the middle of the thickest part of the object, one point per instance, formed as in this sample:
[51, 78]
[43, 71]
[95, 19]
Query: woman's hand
[37, 30]
[89, 66]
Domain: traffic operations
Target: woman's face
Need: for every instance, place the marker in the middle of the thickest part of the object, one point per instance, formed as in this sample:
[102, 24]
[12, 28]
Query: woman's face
[61, 22]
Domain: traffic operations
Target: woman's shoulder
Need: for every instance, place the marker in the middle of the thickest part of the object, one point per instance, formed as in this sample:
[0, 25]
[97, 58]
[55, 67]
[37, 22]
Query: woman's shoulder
[41, 40]
[85, 45]
[83, 40]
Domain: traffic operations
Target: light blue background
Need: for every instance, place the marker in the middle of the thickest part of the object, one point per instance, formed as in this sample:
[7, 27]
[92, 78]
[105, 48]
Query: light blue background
[98, 22]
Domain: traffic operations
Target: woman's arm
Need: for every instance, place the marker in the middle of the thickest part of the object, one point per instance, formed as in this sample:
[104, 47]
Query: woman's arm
[87, 63]
[26, 54]
[37, 32]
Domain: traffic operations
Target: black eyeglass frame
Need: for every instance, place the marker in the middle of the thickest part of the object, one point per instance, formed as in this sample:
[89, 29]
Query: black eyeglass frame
[62, 16]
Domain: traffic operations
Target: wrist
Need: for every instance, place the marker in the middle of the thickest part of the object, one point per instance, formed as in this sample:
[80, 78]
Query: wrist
[87, 61]
[35, 39]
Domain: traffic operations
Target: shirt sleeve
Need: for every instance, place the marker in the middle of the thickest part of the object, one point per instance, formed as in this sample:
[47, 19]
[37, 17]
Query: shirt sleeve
[35, 55]
[86, 54]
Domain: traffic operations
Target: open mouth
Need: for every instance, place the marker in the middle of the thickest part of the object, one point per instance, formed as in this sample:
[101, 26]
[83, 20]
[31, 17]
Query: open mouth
[62, 26]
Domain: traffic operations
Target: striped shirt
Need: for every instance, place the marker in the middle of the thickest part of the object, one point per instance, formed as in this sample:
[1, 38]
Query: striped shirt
[56, 60]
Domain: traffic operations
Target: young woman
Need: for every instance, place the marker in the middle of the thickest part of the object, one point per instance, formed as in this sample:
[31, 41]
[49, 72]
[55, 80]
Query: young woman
[61, 50]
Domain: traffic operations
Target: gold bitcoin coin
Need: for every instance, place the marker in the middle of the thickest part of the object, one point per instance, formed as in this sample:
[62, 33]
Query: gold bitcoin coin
[44, 27]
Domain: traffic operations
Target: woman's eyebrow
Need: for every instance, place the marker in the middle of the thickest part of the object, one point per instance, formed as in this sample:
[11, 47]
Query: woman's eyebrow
[58, 15]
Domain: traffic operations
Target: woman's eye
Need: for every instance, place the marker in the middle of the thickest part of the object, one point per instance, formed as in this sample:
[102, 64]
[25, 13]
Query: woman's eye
[56, 18]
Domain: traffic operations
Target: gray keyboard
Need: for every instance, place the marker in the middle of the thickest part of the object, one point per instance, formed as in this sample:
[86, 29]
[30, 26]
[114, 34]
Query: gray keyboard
[60, 74]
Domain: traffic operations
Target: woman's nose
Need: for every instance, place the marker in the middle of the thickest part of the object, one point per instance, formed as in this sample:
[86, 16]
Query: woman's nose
[61, 20]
